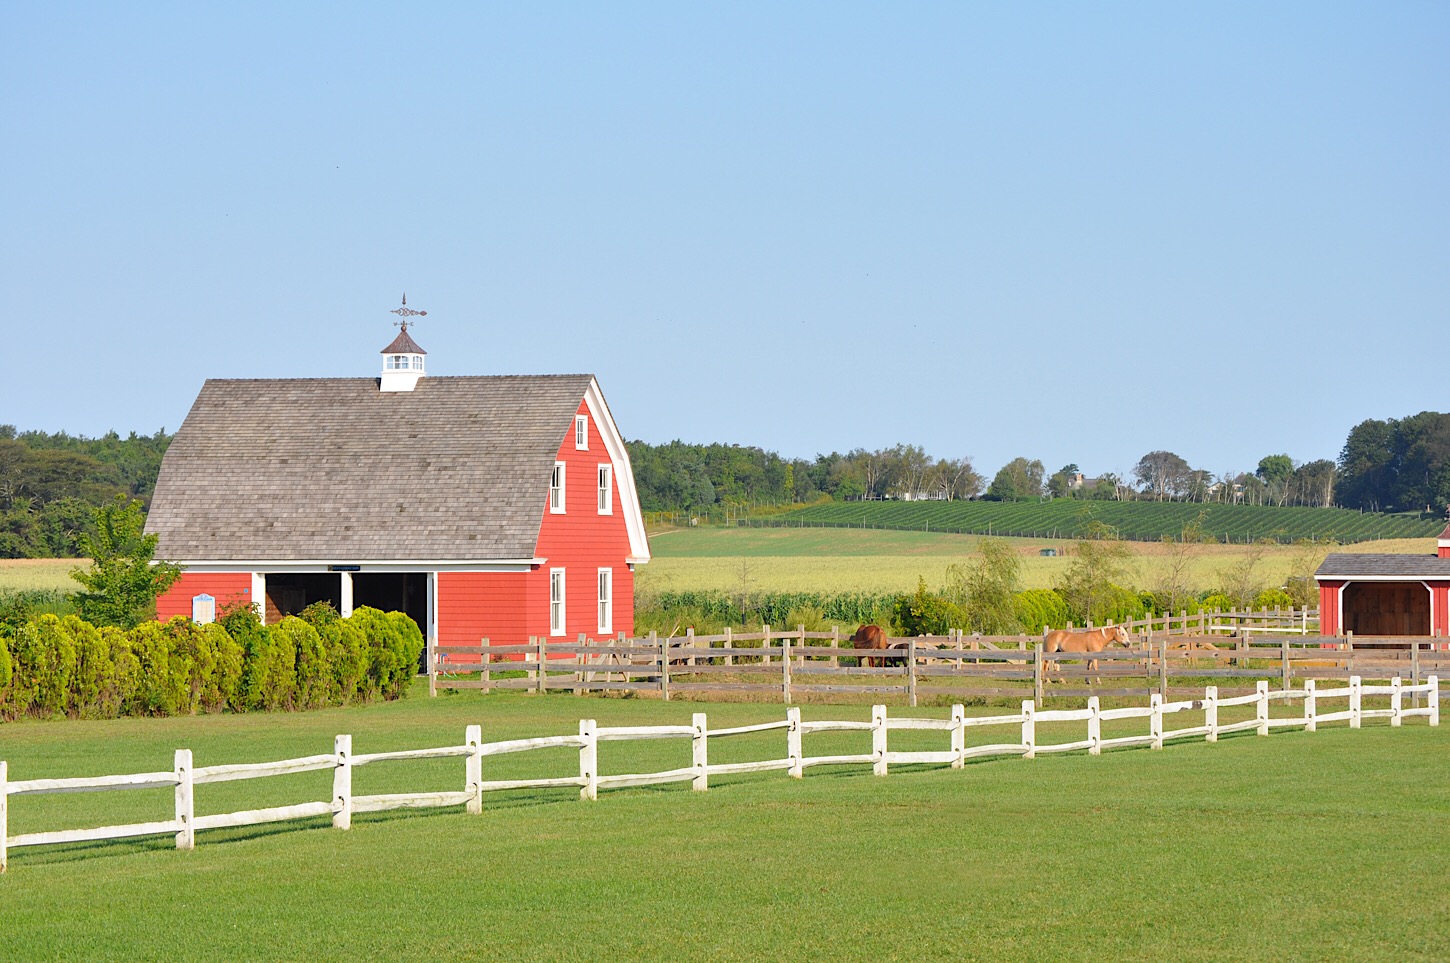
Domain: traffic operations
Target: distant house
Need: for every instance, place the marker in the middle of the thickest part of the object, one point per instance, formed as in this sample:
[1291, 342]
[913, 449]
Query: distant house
[1377, 595]
[491, 506]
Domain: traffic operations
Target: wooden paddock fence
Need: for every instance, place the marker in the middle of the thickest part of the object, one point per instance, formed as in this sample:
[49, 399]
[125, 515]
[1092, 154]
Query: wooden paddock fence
[791, 665]
[184, 824]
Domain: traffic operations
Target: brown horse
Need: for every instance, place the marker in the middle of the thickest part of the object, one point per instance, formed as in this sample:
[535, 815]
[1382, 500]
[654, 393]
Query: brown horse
[1086, 640]
[869, 637]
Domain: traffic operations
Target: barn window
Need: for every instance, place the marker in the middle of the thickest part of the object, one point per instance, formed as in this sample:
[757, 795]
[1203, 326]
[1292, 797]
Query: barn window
[556, 489]
[581, 432]
[606, 490]
[556, 601]
[606, 600]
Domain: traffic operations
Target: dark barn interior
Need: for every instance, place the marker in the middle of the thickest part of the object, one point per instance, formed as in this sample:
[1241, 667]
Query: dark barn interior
[1387, 608]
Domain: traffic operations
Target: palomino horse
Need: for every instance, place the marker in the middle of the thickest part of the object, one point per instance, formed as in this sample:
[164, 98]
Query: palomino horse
[1086, 640]
[869, 637]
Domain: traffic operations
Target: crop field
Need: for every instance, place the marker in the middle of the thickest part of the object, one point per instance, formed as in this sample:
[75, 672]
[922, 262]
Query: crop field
[828, 560]
[38, 574]
[1141, 521]
[1295, 846]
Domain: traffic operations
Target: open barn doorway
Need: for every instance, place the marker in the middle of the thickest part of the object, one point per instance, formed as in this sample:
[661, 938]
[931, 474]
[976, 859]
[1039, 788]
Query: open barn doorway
[289, 593]
[405, 592]
[1387, 608]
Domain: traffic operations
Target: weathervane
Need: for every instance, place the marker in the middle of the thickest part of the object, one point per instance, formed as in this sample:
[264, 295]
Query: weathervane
[405, 313]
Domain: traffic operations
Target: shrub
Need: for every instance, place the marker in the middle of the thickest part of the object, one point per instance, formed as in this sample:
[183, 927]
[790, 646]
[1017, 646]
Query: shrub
[164, 676]
[1041, 608]
[347, 652]
[314, 686]
[45, 659]
[1273, 599]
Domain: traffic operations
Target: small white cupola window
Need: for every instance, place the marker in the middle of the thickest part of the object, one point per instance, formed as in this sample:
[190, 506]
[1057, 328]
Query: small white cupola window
[403, 359]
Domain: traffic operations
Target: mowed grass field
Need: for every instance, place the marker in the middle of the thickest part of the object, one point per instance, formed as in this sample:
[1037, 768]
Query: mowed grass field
[1295, 846]
[856, 560]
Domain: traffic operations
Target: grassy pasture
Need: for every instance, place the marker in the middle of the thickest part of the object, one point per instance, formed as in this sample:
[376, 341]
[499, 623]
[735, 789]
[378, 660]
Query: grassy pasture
[1295, 847]
[871, 560]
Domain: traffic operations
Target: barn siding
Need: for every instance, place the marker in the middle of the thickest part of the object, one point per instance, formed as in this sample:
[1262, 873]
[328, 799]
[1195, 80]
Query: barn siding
[582, 541]
[227, 588]
[477, 605]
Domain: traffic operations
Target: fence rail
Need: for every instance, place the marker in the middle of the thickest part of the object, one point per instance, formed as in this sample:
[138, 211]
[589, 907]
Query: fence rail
[789, 664]
[184, 823]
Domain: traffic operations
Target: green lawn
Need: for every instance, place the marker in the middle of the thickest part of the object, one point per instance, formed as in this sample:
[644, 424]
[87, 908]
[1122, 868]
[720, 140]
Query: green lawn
[1292, 847]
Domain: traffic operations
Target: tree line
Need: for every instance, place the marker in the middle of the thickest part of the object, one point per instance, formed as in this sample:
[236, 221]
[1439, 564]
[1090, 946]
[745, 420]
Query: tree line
[51, 485]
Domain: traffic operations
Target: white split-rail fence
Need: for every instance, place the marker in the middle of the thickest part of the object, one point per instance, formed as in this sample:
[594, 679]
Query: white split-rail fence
[184, 777]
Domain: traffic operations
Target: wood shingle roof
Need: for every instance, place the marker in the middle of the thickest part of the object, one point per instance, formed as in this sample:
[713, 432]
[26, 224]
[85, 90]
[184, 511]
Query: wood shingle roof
[333, 469]
[1352, 565]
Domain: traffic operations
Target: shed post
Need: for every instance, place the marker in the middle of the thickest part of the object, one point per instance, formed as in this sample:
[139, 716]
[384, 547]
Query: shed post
[342, 782]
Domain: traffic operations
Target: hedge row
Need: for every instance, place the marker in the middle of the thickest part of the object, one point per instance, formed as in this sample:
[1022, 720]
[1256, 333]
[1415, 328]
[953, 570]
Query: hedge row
[63, 666]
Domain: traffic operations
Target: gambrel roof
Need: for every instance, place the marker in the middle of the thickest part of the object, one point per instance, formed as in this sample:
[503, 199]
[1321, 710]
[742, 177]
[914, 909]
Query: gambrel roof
[333, 470]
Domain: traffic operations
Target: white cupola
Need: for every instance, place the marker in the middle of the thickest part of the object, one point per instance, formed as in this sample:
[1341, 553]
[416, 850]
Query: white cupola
[403, 359]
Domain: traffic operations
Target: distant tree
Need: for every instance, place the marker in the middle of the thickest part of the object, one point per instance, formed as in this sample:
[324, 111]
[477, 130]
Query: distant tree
[124, 581]
[1314, 483]
[1018, 479]
[1163, 474]
[1366, 465]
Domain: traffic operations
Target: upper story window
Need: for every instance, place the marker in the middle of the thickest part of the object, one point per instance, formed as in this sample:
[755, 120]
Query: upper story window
[606, 490]
[556, 489]
[581, 432]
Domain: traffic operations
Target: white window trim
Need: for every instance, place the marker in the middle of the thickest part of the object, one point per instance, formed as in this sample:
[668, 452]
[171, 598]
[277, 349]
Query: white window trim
[559, 468]
[558, 628]
[581, 427]
[606, 472]
[605, 579]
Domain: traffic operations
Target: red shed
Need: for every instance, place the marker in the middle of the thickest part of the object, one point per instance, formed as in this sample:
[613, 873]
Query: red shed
[1378, 595]
[492, 506]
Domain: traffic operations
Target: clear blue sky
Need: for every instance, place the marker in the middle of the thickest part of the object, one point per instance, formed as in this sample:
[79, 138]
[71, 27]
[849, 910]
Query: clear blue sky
[1071, 231]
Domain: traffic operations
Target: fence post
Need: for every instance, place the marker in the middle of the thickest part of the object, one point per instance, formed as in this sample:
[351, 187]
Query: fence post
[729, 644]
[690, 644]
[1284, 667]
[1433, 702]
[911, 673]
[1155, 721]
[699, 753]
[484, 675]
[959, 735]
[1355, 699]
[1397, 701]
[185, 802]
[785, 668]
[581, 661]
[1037, 672]
[473, 768]
[4, 809]
[1095, 727]
[765, 645]
[542, 659]
[1029, 729]
[1415, 669]
[589, 759]
[793, 741]
[878, 739]
[1210, 713]
[661, 647]
[1163, 670]
[1311, 707]
[835, 644]
[1261, 708]
[342, 782]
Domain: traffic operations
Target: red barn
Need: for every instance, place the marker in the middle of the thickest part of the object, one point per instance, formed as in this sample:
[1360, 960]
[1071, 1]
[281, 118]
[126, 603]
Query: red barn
[1377, 595]
[497, 506]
